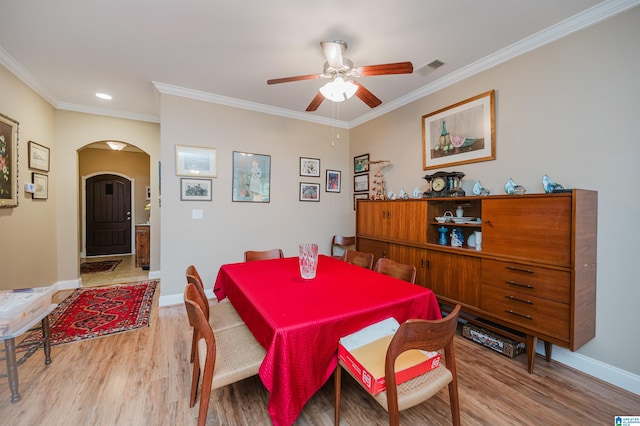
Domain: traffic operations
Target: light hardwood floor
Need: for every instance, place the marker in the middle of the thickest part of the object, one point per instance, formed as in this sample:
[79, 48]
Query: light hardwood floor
[142, 377]
[126, 271]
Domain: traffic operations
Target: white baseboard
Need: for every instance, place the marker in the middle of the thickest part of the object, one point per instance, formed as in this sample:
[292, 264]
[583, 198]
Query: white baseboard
[66, 285]
[605, 372]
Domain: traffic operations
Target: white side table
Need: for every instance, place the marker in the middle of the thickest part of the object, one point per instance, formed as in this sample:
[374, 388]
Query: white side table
[10, 349]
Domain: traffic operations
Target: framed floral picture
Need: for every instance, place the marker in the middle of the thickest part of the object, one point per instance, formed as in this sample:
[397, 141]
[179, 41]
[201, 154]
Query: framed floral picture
[251, 177]
[309, 191]
[309, 167]
[8, 162]
[333, 181]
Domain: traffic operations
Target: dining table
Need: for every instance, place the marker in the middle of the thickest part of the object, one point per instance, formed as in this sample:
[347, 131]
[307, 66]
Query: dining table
[300, 321]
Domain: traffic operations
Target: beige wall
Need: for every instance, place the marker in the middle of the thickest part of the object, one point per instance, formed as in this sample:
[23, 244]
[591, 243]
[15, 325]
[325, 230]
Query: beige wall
[28, 232]
[229, 228]
[570, 110]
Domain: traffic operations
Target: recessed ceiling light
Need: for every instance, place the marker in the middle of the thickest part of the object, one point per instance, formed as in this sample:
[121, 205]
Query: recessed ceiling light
[103, 96]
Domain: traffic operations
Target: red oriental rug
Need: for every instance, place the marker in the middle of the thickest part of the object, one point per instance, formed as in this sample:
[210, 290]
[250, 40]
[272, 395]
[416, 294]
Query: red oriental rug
[102, 266]
[96, 312]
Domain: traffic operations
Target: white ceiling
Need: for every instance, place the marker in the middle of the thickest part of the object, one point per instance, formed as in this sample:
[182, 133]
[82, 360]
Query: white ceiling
[225, 51]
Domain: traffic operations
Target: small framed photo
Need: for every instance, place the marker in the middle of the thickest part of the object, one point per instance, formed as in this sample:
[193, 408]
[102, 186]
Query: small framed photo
[309, 167]
[361, 163]
[309, 191]
[41, 182]
[195, 189]
[333, 181]
[361, 183]
[357, 197]
[38, 157]
[196, 161]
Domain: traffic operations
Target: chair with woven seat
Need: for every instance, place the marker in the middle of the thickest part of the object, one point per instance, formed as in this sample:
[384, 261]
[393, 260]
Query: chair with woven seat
[250, 255]
[358, 258]
[395, 269]
[220, 315]
[426, 335]
[343, 243]
[223, 357]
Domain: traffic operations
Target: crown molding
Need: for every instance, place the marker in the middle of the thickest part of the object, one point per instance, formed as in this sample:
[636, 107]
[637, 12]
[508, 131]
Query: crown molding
[27, 78]
[184, 92]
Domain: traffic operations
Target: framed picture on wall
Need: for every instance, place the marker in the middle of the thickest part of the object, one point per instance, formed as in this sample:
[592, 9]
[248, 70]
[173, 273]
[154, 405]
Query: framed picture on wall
[361, 183]
[333, 181]
[361, 163]
[196, 161]
[9, 160]
[41, 182]
[251, 177]
[309, 167]
[356, 197]
[195, 189]
[309, 191]
[38, 157]
[461, 133]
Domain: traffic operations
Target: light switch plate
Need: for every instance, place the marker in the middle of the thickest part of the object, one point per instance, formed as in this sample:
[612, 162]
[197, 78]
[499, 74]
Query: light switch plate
[196, 214]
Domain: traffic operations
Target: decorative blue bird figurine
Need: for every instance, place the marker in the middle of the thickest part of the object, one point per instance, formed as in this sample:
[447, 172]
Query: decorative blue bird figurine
[510, 187]
[549, 185]
[478, 189]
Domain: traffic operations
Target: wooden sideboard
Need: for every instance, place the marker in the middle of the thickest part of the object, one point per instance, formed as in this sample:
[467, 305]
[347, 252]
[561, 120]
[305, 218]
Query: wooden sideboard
[143, 240]
[535, 273]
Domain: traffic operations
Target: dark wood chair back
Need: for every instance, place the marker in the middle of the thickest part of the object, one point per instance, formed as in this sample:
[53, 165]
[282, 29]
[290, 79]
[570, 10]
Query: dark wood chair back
[395, 269]
[358, 258]
[343, 243]
[250, 255]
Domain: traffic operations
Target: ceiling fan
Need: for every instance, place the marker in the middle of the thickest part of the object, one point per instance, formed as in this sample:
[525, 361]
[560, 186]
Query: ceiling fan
[341, 72]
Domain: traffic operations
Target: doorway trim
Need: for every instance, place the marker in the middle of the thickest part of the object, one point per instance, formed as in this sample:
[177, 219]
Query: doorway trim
[83, 213]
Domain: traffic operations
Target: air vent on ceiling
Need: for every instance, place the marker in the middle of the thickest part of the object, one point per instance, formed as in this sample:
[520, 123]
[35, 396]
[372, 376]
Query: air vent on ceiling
[431, 66]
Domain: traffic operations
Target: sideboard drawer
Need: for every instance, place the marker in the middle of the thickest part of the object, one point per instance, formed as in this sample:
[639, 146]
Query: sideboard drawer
[534, 313]
[544, 283]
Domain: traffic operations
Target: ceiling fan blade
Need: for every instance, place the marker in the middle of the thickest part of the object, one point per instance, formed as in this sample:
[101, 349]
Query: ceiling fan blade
[315, 103]
[333, 52]
[297, 78]
[366, 96]
[383, 69]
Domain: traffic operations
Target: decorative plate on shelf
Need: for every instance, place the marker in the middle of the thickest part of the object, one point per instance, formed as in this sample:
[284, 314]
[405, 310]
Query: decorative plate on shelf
[464, 219]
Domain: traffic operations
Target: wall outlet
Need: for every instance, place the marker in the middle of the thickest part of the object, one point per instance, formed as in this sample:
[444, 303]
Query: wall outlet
[196, 214]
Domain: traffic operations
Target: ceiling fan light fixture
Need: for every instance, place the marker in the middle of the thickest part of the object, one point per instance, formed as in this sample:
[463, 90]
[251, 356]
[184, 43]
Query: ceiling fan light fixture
[338, 90]
[116, 146]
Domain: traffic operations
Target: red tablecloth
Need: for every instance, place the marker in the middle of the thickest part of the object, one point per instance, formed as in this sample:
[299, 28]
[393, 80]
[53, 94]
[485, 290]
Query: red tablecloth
[299, 322]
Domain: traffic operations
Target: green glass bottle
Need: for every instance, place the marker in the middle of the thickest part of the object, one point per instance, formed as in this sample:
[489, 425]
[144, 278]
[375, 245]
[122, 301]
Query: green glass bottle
[445, 137]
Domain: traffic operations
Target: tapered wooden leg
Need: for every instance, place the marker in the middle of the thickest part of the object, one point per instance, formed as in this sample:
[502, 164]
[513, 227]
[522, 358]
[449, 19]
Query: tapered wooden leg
[531, 351]
[46, 340]
[547, 351]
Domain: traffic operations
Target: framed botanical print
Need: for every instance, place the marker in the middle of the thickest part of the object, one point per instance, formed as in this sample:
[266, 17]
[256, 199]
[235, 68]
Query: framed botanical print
[41, 182]
[361, 183]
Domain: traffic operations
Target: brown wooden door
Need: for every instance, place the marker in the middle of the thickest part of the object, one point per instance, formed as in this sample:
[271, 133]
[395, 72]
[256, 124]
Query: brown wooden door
[108, 208]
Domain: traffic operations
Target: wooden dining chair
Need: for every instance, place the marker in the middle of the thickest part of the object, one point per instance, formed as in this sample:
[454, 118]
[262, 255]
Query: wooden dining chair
[358, 258]
[250, 256]
[223, 356]
[395, 269]
[220, 315]
[425, 335]
[342, 243]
